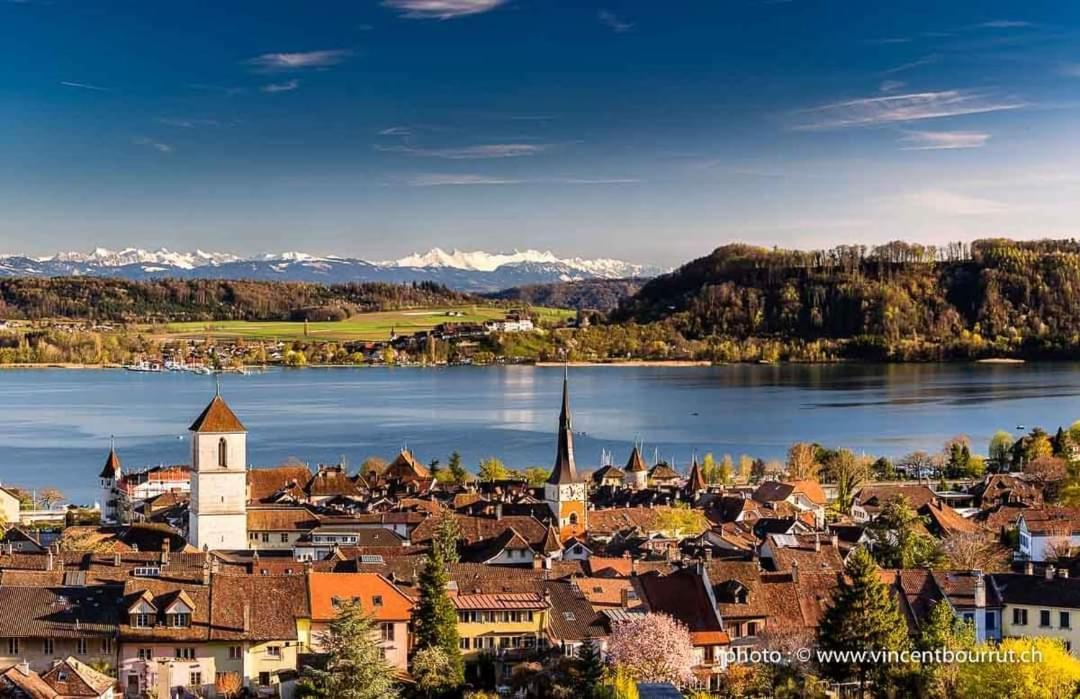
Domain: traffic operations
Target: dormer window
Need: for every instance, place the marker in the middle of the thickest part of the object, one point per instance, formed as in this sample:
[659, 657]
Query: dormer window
[222, 453]
[142, 620]
[180, 620]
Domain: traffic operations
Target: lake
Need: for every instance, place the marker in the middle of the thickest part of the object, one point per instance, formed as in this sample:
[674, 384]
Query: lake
[57, 423]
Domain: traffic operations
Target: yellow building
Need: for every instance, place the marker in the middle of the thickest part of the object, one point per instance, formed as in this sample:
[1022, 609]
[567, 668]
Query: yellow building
[507, 626]
[1045, 605]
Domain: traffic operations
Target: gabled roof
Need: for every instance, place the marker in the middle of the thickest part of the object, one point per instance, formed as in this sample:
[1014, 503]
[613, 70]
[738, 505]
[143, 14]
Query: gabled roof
[406, 468]
[111, 469]
[28, 682]
[264, 482]
[72, 678]
[273, 604]
[217, 417]
[607, 472]
[662, 471]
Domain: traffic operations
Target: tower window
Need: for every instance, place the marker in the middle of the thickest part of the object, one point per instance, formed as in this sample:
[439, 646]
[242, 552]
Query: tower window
[222, 453]
[573, 518]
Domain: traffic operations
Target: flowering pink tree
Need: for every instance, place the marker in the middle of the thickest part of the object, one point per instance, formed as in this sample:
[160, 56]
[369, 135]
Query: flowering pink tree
[653, 648]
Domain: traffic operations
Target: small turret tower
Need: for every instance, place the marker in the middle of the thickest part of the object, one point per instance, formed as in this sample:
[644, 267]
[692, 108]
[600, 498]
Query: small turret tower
[109, 479]
[564, 492]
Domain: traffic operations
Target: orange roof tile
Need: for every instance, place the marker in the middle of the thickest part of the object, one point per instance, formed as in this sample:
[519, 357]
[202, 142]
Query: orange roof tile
[325, 588]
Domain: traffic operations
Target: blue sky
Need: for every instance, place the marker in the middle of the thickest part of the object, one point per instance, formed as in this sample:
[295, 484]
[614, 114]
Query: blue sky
[644, 130]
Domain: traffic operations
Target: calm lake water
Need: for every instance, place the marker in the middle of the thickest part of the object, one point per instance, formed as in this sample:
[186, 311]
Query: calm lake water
[56, 423]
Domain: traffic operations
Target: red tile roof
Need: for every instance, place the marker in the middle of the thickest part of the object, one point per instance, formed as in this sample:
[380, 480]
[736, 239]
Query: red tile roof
[328, 590]
[217, 417]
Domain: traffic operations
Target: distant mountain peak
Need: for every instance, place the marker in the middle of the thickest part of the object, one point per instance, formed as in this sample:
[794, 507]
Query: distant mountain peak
[463, 270]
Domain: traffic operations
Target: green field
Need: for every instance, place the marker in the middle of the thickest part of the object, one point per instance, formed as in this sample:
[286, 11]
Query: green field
[364, 326]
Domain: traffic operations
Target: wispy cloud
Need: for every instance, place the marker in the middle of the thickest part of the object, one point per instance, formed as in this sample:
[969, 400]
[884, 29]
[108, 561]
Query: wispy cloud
[442, 9]
[84, 86]
[444, 180]
[182, 123]
[156, 145]
[891, 85]
[397, 131]
[479, 152]
[231, 91]
[459, 180]
[1071, 70]
[944, 140]
[874, 111]
[918, 63]
[888, 41]
[301, 60]
[287, 86]
[953, 203]
[614, 22]
[1003, 24]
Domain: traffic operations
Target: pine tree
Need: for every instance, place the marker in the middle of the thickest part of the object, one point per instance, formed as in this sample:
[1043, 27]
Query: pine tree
[943, 630]
[355, 667]
[457, 471]
[436, 617]
[863, 616]
[592, 668]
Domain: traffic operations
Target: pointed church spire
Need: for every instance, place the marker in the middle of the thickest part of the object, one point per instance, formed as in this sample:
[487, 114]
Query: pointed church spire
[695, 482]
[564, 470]
[111, 469]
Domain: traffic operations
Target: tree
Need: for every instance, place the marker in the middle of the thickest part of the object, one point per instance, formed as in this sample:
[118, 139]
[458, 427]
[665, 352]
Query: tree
[862, 616]
[975, 551]
[725, 472]
[957, 455]
[1047, 468]
[536, 476]
[848, 472]
[492, 470]
[681, 519]
[1049, 672]
[49, 497]
[228, 684]
[444, 539]
[355, 667]
[919, 463]
[1000, 451]
[900, 540]
[591, 668]
[618, 684]
[433, 670]
[457, 471]
[802, 462]
[436, 618]
[653, 648]
[943, 630]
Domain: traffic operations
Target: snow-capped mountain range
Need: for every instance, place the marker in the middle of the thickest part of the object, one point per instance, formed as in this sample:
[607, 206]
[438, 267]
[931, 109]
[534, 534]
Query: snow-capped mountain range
[476, 270]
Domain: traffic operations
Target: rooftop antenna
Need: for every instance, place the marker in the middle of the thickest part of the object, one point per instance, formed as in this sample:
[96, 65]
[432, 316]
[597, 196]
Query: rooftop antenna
[217, 385]
[112, 442]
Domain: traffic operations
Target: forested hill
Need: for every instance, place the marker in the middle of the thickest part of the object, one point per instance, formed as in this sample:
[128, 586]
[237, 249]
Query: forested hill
[603, 295]
[993, 297]
[210, 299]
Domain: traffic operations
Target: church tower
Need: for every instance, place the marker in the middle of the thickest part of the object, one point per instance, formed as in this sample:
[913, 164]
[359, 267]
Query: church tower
[564, 492]
[109, 478]
[218, 515]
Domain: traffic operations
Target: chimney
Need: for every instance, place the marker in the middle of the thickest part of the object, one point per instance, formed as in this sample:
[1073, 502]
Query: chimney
[834, 540]
[633, 566]
[498, 510]
[1049, 572]
[24, 667]
[164, 552]
[1029, 568]
[795, 571]
[116, 560]
[49, 561]
[1063, 573]
[708, 553]
[817, 542]
[247, 617]
[206, 571]
[980, 589]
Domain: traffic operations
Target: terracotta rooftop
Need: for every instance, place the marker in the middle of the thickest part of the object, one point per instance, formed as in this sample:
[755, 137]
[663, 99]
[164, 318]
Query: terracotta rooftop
[376, 595]
[217, 417]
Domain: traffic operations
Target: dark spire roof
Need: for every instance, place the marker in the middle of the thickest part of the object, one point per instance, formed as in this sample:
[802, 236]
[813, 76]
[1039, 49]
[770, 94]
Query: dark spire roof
[695, 481]
[636, 463]
[111, 469]
[217, 417]
[564, 470]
